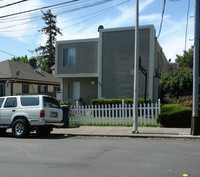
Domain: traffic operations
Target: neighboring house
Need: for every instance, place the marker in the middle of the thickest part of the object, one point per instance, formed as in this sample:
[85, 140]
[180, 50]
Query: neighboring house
[104, 67]
[18, 78]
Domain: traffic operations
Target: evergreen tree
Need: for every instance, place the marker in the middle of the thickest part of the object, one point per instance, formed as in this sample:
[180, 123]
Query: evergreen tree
[47, 52]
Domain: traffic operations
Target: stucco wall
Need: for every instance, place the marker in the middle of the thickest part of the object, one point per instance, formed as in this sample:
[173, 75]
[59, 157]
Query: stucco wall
[88, 89]
[17, 88]
[8, 89]
[118, 62]
[33, 88]
[86, 56]
[50, 88]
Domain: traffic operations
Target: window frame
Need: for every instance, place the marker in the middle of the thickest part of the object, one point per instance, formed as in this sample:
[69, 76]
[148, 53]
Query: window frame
[67, 59]
[41, 86]
[72, 88]
[25, 88]
[2, 86]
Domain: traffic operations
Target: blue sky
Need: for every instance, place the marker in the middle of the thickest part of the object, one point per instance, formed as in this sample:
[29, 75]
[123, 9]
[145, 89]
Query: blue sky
[19, 34]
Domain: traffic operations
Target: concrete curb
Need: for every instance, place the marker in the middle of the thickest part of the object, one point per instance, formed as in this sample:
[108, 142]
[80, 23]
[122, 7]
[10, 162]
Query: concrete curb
[144, 132]
[138, 136]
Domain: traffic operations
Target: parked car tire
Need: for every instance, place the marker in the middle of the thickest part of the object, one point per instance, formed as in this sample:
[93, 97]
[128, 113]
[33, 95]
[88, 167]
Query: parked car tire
[2, 131]
[20, 128]
[43, 131]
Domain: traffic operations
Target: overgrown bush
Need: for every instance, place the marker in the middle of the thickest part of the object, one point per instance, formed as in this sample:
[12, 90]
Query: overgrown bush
[177, 83]
[117, 101]
[173, 115]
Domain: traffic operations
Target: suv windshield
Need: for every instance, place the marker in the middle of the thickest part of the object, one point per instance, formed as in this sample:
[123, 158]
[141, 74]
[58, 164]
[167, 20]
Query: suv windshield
[29, 101]
[51, 102]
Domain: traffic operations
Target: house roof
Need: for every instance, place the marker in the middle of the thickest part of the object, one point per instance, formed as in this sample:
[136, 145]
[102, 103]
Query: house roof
[9, 68]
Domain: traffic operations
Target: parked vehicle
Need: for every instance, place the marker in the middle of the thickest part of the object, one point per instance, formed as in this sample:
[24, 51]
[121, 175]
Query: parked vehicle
[23, 114]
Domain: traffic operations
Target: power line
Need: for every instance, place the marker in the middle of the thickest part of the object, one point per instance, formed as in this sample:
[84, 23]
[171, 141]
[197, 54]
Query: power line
[13, 3]
[163, 12]
[7, 53]
[99, 13]
[105, 10]
[32, 10]
[39, 16]
[59, 13]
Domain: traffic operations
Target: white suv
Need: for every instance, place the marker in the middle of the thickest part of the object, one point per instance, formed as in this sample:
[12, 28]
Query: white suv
[28, 113]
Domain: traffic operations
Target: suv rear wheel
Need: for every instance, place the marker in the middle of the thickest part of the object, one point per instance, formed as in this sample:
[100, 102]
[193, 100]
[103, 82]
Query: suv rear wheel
[20, 128]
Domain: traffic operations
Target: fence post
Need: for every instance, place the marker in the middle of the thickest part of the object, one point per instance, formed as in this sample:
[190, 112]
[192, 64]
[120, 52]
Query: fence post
[77, 113]
[123, 111]
[158, 106]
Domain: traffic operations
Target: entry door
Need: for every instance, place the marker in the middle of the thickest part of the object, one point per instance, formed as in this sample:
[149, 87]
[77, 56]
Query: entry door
[74, 90]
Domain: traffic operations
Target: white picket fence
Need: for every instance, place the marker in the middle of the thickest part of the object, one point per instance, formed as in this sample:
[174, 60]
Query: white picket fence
[114, 114]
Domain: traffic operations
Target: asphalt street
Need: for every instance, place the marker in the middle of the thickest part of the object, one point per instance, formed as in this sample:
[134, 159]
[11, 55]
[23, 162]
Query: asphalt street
[66, 156]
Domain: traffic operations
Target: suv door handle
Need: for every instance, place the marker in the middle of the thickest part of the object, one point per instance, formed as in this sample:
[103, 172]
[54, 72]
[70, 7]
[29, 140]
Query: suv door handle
[13, 110]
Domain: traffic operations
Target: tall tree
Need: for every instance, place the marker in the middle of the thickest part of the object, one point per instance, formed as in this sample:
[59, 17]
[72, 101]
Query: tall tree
[187, 59]
[47, 52]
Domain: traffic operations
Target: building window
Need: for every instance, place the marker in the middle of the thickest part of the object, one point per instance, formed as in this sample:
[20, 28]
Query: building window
[1, 89]
[74, 90]
[25, 88]
[42, 89]
[69, 57]
[56, 88]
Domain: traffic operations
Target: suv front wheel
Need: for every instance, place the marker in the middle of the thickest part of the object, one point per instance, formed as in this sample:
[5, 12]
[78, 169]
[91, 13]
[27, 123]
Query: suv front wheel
[20, 128]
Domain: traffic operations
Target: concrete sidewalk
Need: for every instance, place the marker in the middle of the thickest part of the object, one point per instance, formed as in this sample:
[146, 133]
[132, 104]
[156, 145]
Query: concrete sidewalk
[144, 132]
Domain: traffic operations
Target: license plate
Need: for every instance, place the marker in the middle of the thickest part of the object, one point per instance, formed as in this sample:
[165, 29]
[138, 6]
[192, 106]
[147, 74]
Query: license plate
[54, 114]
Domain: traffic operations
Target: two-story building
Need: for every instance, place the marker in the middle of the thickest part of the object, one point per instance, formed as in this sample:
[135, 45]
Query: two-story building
[103, 67]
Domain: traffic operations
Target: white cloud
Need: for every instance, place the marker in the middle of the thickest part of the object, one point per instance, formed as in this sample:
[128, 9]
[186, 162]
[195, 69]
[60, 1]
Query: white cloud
[149, 18]
[13, 26]
[172, 38]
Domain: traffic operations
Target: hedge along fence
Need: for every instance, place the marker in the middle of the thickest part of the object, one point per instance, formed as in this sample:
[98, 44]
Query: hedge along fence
[118, 101]
[173, 115]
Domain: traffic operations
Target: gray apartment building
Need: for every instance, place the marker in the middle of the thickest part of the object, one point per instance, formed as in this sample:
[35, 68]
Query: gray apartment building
[103, 67]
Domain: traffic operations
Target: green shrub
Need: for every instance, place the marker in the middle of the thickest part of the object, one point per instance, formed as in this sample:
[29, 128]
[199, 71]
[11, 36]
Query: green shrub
[64, 103]
[173, 115]
[117, 101]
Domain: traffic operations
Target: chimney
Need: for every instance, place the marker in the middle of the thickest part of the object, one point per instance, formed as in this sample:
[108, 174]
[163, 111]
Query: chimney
[33, 63]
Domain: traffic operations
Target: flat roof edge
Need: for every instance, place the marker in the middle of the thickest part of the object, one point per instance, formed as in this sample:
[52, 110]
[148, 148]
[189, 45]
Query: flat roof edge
[78, 40]
[127, 28]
